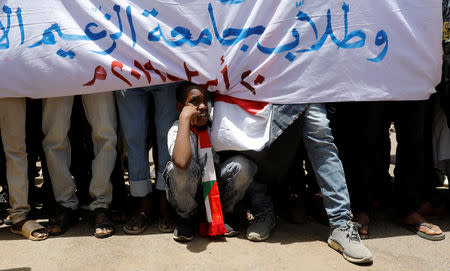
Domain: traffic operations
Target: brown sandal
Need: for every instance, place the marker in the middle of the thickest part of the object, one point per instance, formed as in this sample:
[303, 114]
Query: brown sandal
[28, 228]
[136, 220]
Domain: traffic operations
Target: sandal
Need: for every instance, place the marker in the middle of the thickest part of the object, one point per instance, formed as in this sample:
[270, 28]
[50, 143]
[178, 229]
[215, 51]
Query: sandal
[166, 224]
[432, 237]
[28, 228]
[101, 221]
[64, 219]
[136, 221]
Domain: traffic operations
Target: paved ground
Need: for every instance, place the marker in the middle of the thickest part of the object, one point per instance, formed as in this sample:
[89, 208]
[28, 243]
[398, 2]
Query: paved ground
[291, 247]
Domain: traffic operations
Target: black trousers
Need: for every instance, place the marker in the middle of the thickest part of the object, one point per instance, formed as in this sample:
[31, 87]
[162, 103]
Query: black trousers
[362, 131]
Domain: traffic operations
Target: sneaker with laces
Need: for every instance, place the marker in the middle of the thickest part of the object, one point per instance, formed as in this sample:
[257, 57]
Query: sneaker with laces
[347, 241]
[260, 227]
[184, 232]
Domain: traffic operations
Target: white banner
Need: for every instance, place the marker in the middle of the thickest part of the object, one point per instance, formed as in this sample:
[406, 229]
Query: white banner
[277, 51]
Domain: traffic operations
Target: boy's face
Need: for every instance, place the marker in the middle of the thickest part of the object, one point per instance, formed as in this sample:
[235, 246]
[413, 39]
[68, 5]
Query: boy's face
[197, 97]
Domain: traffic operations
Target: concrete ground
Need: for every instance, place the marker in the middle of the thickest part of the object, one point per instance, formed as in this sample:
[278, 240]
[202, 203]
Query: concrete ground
[290, 247]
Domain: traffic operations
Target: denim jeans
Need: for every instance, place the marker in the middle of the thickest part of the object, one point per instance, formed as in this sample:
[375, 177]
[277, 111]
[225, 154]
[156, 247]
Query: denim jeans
[235, 176]
[133, 105]
[100, 110]
[326, 164]
[322, 152]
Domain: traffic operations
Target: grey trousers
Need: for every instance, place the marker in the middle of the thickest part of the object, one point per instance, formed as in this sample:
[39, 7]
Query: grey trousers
[100, 111]
[12, 126]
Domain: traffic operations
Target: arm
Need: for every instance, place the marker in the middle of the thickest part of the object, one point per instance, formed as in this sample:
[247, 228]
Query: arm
[182, 154]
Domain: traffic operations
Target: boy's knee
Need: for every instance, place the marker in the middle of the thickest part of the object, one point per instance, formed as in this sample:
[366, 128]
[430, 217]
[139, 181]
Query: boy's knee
[182, 177]
[239, 169]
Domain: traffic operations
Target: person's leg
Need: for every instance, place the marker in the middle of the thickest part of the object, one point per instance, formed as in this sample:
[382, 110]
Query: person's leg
[410, 167]
[329, 172]
[82, 151]
[326, 164]
[33, 144]
[260, 201]
[133, 114]
[101, 113]
[55, 125]
[165, 115]
[133, 105]
[181, 188]
[410, 157]
[12, 125]
[236, 174]
[368, 160]
[121, 200]
[444, 91]
[264, 219]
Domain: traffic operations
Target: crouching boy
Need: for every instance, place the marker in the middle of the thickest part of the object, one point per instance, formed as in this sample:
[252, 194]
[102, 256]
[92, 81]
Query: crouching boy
[184, 172]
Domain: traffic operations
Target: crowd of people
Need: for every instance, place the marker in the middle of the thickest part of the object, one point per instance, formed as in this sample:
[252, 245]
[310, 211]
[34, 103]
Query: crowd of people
[89, 145]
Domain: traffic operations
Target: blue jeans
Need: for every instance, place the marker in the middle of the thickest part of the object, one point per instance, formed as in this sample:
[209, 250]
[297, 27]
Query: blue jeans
[133, 105]
[327, 166]
[322, 152]
[235, 176]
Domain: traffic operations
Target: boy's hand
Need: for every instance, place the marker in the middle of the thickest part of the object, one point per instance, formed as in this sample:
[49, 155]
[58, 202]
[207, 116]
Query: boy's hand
[188, 113]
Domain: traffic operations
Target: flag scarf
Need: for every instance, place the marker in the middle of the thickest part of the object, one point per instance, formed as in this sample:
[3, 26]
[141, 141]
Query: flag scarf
[215, 224]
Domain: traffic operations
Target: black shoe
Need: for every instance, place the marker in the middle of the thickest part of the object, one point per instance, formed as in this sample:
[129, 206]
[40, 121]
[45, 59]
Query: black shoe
[184, 232]
[231, 224]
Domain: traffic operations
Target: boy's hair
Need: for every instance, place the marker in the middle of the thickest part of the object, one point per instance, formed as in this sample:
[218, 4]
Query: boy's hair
[183, 90]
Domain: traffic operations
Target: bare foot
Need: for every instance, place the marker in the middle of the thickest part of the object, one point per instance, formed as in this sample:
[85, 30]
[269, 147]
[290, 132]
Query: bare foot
[61, 222]
[166, 221]
[363, 219]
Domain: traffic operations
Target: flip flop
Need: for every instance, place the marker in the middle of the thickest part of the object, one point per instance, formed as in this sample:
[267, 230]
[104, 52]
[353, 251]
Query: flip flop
[136, 219]
[27, 230]
[431, 237]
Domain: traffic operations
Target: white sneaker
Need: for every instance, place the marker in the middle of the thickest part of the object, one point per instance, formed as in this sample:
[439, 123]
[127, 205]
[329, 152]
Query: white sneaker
[347, 241]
